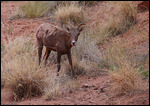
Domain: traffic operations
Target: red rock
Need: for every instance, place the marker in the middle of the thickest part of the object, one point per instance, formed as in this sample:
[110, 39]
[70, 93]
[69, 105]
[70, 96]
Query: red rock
[143, 6]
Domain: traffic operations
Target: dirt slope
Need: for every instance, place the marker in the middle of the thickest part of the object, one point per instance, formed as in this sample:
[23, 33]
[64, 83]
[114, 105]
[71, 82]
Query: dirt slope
[92, 90]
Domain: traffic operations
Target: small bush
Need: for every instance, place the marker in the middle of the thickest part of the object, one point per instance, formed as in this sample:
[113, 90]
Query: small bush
[21, 72]
[125, 77]
[86, 48]
[128, 11]
[69, 13]
[57, 85]
[117, 23]
[144, 73]
[17, 15]
[33, 9]
[9, 30]
[52, 90]
[128, 16]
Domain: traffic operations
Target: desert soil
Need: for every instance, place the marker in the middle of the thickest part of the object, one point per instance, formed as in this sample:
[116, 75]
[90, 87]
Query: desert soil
[93, 90]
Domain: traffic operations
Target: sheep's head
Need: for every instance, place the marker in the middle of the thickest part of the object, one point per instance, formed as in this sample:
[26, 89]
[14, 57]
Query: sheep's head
[74, 32]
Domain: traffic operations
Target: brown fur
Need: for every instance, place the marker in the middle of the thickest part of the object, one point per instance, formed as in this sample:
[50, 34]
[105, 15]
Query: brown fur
[57, 39]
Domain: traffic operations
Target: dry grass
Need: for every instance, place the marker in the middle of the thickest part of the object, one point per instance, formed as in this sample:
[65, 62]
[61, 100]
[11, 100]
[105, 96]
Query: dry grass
[9, 30]
[117, 22]
[125, 77]
[115, 53]
[33, 9]
[88, 3]
[58, 85]
[128, 11]
[21, 72]
[69, 13]
[52, 90]
[79, 70]
[86, 48]
[86, 55]
[17, 14]
[140, 42]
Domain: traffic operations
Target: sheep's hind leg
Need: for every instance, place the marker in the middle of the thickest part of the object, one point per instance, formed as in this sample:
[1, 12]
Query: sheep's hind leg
[47, 53]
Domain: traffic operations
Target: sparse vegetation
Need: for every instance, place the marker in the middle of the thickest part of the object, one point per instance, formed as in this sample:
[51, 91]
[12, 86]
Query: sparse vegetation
[125, 77]
[69, 13]
[52, 90]
[9, 30]
[20, 70]
[87, 3]
[144, 73]
[22, 74]
[116, 54]
[79, 70]
[17, 15]
[57, 85]
[33, 9]
[2, 47]
[117, 23]
[86, 48]
[99, 47]
[128, 12]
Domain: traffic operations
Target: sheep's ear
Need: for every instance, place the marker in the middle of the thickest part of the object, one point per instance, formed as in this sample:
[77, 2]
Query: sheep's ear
[81, 27]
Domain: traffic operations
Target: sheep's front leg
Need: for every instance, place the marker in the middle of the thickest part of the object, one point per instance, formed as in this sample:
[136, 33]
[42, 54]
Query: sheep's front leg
[58, 63]
[70, 62]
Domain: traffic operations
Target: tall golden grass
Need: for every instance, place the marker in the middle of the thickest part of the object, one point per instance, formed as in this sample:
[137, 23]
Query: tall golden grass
[58, 85]
[69, 13]
[116, 23]
[125, 77]
[33, 9]
[22, 74]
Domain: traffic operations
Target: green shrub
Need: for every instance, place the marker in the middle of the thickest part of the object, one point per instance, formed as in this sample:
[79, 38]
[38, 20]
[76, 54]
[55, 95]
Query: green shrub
[144, 73]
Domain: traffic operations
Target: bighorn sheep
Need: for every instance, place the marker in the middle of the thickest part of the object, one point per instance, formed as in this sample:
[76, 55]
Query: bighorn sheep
[59, 40]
